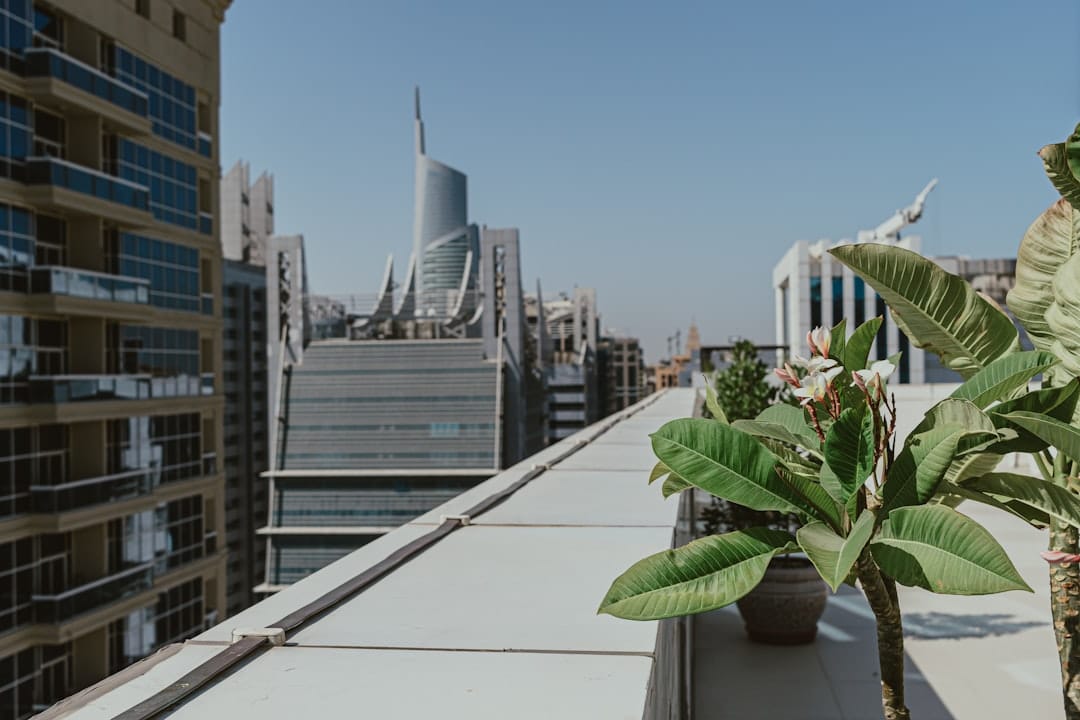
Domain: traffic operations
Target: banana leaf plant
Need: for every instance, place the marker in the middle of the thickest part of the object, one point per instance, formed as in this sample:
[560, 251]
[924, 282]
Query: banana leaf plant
[937, 314]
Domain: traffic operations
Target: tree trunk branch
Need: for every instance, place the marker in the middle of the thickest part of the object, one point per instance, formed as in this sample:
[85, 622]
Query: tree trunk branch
[881, 594]
[1065, 608]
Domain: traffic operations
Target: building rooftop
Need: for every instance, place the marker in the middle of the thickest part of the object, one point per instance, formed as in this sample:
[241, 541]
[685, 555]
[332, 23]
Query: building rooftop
[497, 619]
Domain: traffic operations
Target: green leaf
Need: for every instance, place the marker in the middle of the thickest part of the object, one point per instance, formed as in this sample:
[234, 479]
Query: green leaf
[938, 311]
[1003, 377]
[832, 555]
[849, 451]
[674, 484]
[921, 465]
[1056, 162]
[1056, 402]
[1072, 154]
[804, 465]
[794, 420]
[1051, 240]
[858, 345]
[728, 463]
[837, 341]
[972, 464]
[936, 548]
[1062, 436]
[659, 470]
[952, 495]
[779, 433]
[1035, 492]
[713, 404]
[703, 575]
[1063, 315]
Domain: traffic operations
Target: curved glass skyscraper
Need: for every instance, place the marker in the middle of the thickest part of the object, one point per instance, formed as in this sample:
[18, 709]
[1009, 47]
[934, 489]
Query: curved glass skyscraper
[442, 237]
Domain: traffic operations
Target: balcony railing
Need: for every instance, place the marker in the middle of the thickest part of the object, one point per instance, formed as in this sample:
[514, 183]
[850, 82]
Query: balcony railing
[210, 543]
[92, 491]
[49, 62]
[206, 144]
[90, 596]
[80, 179]
[209, 463]
[83, 388]
[207, 303]
[206, 223]
[73, 282]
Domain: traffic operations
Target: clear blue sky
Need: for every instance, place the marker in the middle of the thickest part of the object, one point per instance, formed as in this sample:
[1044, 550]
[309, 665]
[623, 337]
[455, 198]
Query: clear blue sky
[665, 153]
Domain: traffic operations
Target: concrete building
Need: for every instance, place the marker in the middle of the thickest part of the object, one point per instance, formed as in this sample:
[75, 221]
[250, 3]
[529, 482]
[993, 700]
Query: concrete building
[247, 429]
[621, 368]
[566, 330]
[111, 499]
[376, 433]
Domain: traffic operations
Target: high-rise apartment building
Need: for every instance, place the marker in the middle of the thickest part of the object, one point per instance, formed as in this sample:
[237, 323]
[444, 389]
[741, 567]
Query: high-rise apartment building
[621, 369]
[110, 398]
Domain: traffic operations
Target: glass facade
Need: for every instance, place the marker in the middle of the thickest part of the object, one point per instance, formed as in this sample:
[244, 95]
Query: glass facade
[179, 613]
[172, 103]
[35, 678]
[16, 246]
[30, 456]
[837, 300]
[170, 446]
[171, 269]
[815, 302]
[16, 133]
[16, 33]
[882, 333]
[29, 347]
[292, 559]
[860, 302]
[154, 351]
[173, 184]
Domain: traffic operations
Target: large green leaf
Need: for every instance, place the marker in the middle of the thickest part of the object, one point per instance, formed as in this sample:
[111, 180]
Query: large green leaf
[1063, 315]
[703, 575]
[1051, 240]
[849, 452]
[936, 548]
[972, 464]
[779, 433]
[858, 345]
[804, 465]
[938, 311]
[832, 555]
[1056, 162]
[952, 495]
[1072, 154]
[1053, 500]
[1062, 436]
[1057, 402]
[838, 341]
[730, 464]
[1003, 377]
[921, 465]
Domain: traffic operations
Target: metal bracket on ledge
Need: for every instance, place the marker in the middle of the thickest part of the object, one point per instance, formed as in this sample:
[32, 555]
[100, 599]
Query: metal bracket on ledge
[276, 636]
[463, 519]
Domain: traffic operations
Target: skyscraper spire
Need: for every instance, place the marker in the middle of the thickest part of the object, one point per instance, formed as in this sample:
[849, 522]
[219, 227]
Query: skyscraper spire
[419, 124]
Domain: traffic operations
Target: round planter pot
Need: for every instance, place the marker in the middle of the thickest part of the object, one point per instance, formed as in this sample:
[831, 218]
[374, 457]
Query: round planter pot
[785, 607]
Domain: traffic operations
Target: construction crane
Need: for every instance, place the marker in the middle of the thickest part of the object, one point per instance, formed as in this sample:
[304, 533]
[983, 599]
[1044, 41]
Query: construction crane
[889, 231]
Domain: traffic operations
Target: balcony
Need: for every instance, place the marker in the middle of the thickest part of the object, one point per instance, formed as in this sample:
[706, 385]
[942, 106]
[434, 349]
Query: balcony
[67, 186]
[72, 282]
[53, 389]
[89, 596]
[207, 303]
[88, 492]
[59, 78]
[206, 223]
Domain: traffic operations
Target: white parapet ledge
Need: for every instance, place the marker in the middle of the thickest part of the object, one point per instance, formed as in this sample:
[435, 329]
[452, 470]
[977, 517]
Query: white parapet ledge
[495, 620]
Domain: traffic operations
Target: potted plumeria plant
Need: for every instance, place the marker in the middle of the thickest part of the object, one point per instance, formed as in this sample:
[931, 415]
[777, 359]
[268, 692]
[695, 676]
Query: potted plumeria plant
[873, 510]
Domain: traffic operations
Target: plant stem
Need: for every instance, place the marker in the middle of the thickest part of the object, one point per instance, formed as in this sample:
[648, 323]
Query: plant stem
[1065, 608]
[881, 594]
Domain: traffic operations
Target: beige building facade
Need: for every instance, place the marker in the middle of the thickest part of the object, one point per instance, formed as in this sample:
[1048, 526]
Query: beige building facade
[111, 408]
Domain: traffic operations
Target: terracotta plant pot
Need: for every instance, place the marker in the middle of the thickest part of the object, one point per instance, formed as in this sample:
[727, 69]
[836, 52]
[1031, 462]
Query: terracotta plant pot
[785, 607]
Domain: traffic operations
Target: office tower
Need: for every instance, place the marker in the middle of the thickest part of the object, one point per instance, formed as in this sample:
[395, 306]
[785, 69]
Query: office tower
[445, 245]
[247, 429]
[621, 369]
[111, 503]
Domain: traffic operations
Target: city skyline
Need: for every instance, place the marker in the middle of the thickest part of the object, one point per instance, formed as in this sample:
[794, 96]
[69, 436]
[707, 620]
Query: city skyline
[677, 132]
